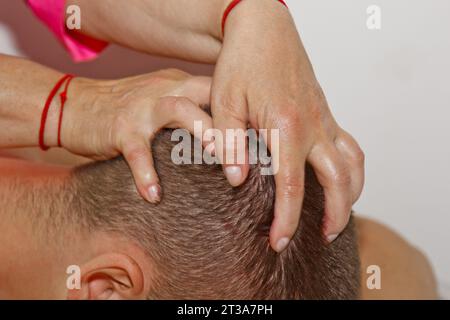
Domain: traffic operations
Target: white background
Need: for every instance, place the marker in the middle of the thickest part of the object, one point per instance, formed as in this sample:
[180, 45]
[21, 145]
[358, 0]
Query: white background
[390, 88]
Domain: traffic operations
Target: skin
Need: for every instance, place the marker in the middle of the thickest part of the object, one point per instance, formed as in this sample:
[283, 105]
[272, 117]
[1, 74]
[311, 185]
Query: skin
[405, 271]
[105, 118]
[35, 268]
[250, 87]
[285, 96]
[102, 118]
[113, 267]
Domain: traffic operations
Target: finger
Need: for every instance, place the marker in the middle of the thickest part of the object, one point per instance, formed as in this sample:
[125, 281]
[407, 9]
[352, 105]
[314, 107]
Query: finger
[181, 112]
[137, 153]
[354, 156]
[198, 90]
[230, 118]
[289, 181]
[333, 174]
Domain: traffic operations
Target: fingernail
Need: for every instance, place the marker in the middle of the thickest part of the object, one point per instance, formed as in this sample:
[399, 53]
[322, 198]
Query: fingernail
[234, 175]
[332, 237]
[154, 193]
[282, 244]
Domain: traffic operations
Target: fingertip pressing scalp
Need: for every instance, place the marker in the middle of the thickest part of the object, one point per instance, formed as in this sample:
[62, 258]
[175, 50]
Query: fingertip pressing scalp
[282, 244]
[332, 237]
[154, 193]
[234, 175]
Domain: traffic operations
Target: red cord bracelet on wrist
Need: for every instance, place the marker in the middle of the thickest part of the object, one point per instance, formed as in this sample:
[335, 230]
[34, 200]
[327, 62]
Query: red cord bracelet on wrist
[48, 102]
[63, 96]
[230, 8]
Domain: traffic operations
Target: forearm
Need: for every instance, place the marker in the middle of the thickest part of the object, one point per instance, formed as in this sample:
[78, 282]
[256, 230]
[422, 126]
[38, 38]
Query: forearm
[24, 87]
[186, 29]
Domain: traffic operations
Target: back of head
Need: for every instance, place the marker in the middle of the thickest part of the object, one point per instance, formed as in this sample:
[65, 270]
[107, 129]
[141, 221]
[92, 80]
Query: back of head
[208, 240]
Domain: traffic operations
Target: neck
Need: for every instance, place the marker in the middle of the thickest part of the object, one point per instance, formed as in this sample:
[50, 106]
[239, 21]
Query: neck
[33, 262]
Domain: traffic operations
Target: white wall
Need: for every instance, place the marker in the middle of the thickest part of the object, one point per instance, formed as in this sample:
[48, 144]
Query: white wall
[390, 88]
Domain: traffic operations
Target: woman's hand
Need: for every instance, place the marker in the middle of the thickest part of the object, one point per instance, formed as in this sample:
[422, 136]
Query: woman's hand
[263, 78]
[103, 119]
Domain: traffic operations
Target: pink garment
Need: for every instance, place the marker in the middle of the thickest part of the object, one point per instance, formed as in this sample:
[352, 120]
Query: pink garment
[52, 13]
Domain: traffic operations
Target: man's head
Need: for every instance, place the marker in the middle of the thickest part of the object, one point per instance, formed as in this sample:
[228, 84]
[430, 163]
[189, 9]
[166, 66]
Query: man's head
[206, 240]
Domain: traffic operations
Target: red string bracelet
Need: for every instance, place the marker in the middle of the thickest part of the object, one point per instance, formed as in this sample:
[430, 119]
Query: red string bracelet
[230, 8]
[44, 116]
[63, 97]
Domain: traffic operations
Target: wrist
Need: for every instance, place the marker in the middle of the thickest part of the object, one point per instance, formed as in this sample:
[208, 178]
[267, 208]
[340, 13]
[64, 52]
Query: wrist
[51, 124]
[216, 19]
[52, 113]
[254, 14]
[81, 96]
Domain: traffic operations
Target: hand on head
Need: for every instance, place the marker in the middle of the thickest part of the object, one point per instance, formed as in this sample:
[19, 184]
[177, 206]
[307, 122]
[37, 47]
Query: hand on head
[108, 118]
[263, 78]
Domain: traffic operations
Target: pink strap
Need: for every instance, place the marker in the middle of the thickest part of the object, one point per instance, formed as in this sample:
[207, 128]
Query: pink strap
[52, 13]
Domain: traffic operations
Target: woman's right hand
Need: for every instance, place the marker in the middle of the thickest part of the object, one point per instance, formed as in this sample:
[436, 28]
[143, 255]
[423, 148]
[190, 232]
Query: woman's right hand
[103, 119]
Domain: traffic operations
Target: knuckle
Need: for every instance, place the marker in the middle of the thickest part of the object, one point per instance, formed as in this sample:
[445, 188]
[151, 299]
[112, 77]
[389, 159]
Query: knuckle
[289, 122]
[337, 224]
[182, 103]
[359, 156]
[181, 106]
[229, 105]
[292, 188]
[355, 154]
[167, 102]
[169, 108]
[136, 154]
[339, 221]
[176, 103]
[288, 111]
[342, 178]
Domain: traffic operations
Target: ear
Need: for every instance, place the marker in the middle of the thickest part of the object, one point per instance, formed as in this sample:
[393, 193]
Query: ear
[113, 276]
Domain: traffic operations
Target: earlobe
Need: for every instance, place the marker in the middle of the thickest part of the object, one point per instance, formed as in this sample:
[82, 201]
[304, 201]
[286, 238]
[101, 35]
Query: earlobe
[112, 276]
